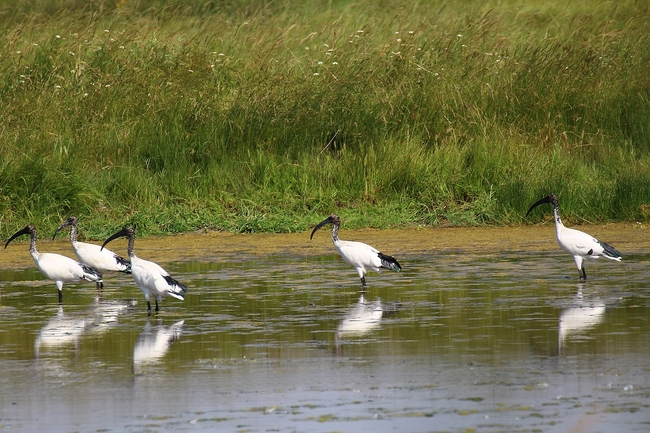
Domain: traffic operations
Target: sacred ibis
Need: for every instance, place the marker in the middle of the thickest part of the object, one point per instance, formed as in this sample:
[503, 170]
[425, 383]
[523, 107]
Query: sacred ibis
[58, 268]
[153, 280]
[361, 256]
[579, 244]
[93, 255]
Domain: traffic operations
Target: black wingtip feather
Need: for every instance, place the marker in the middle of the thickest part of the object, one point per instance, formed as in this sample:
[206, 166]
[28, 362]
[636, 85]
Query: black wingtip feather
[610, 251]
[178, 288]
[91, 271]
[389, 262]
[124, 262]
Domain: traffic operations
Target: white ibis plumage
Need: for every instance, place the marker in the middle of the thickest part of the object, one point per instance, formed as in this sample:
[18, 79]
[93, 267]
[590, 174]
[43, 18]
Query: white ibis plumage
[579, 244]
[153, 280]
[361, 256]
[58, 268]
[93, 255]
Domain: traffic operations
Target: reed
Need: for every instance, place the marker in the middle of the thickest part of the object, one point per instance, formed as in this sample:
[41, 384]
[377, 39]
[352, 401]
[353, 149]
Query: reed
[250, 116]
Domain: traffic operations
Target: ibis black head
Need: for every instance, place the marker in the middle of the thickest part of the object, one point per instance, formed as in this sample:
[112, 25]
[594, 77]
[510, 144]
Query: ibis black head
[551, 198]
[28, 230]
[332, 219]
[72, 221]
[125, 232]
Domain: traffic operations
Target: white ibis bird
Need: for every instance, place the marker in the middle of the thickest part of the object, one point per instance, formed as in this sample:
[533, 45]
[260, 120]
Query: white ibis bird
[58, 268]
[579, 244]
[153, 280]
[361, 256]
[93, 255]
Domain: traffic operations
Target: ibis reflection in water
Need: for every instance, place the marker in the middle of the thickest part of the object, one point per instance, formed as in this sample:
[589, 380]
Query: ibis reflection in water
[154, 341]
[361, 319]
[65, 330]
[58, 268]
[153, 280]
[583, 314]
[361, 256]
[92, 255]
[62, 330]
[579, 244]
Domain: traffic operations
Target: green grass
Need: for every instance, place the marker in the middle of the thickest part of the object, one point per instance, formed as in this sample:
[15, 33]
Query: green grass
[255, 116]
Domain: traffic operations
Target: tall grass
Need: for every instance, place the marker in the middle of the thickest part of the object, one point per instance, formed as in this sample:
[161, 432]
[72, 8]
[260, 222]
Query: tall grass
[253, 116]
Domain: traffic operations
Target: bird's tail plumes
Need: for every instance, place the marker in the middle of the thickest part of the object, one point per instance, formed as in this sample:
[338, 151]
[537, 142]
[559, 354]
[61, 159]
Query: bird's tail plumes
[610, 252]
[91, 274]
[124, 262]
[176, 289]
[389, 262]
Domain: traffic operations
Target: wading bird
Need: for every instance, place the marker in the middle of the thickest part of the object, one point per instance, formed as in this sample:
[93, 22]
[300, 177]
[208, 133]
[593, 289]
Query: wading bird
[153, 280]
[361, 256]
[58, 268]
[93, 255]
[579, 244]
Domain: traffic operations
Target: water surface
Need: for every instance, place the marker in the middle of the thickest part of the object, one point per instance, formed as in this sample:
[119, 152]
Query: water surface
[485, 329]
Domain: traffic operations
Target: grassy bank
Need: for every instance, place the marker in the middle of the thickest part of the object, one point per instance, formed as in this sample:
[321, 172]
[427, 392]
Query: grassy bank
[248, 117]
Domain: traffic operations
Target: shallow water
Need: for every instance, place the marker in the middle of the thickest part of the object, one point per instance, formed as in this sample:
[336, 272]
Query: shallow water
[485, 329]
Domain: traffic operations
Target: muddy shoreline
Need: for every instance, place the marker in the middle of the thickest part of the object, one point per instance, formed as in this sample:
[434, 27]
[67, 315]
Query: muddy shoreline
[628, 238]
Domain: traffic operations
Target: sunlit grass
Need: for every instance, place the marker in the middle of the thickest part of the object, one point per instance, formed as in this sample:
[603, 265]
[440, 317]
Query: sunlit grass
[249, 117]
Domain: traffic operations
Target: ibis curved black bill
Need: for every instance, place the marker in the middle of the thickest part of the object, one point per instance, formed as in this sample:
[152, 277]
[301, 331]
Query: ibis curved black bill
[59, 229]
[547, 199]
[328, 220]
[26, 231]
[70, 221]
[126, 231]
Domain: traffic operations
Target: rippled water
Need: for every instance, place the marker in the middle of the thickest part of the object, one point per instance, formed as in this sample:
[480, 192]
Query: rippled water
[484, 329]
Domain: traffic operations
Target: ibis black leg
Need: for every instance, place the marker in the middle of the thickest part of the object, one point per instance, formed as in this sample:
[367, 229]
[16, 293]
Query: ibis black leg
[60, 296]
[583, 274]
[363, 284]
[157, 309]
[149, 307]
